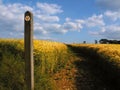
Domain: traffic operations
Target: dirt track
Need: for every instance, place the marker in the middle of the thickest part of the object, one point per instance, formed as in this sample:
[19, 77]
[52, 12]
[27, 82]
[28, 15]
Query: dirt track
[80, 74]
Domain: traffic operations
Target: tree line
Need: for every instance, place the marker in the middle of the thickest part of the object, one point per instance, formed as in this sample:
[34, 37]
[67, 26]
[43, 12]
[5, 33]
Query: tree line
[106, 41]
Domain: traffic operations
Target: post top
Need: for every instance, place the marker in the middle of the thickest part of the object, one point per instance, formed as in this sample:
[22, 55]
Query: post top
[28, 16]
[28, 12]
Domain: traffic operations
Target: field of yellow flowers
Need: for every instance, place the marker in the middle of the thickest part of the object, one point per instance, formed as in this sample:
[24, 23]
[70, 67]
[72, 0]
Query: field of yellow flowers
[105, 57]
[49, 57]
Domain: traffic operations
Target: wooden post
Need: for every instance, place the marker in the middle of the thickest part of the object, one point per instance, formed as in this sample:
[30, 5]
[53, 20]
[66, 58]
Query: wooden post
[28, 45]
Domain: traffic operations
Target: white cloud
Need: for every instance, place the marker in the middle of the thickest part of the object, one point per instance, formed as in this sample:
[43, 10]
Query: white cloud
[109, 4]
[47, 22]
[75, 25]
[101, 26]
[113, 28]
[52, 27]
[12, 18]
[95, 21]
[48, 18]
[67, 19]
[70, 26]
[12, 15]
[109, 31]
[80, 21]
[49, 8]
[113, 15]
[49, 28]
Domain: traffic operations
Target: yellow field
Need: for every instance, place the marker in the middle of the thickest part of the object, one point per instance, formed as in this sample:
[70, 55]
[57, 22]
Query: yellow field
[49, 57]
[111, 52]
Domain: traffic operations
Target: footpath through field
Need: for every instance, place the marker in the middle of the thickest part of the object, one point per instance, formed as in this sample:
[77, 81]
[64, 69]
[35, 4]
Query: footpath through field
[80, 74]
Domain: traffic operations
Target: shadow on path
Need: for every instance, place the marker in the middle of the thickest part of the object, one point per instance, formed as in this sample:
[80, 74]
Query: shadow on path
[88, 77]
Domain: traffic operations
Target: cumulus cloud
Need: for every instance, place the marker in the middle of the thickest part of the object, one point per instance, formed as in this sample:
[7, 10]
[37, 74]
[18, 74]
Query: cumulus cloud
[49, 21]
[49, 28]
[102, 26]
[109, 31]
[73, 25]
[109, 4]
[112, 32]
[70, 26]
[113, 15]
[11, 16]
[67, 19]
[49, 8]
[46, 20]
[95, 21]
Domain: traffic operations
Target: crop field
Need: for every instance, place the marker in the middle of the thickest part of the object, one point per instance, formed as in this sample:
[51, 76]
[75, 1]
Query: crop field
[110, 52]
[49, 57]
[105, 58]
[59, 66]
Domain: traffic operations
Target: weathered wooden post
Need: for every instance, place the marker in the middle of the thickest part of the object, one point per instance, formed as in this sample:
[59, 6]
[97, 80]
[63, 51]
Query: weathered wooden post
[28, 45]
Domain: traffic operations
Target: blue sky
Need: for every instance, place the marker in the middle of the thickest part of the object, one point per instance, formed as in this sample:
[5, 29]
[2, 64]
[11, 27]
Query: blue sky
[69, 21]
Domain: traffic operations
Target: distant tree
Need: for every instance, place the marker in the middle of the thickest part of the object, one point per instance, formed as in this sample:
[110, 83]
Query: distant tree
[103, 41]
[96, 41]
[84, 42]
[118, 42]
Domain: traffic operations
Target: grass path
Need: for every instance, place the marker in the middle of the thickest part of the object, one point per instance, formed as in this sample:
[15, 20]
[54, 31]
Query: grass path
[80, 74]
